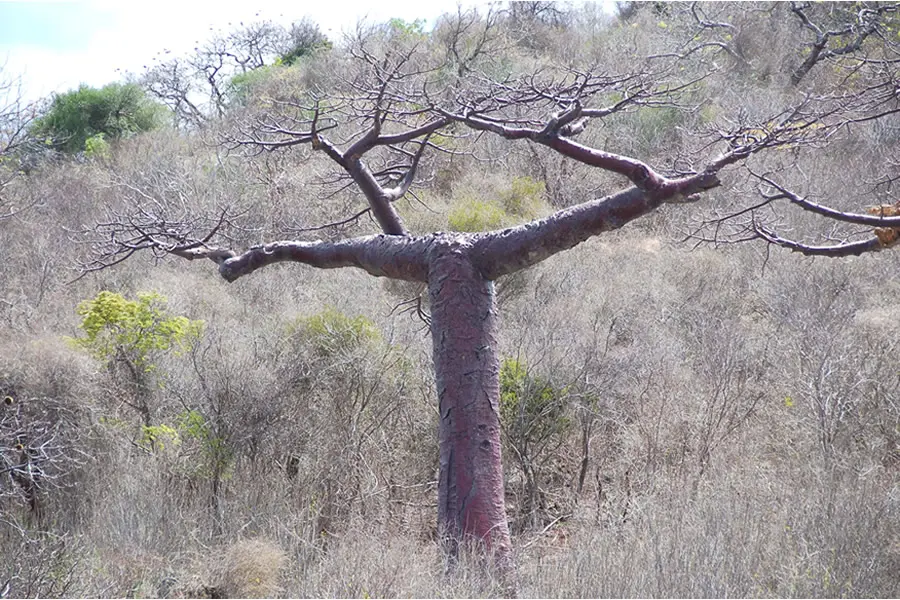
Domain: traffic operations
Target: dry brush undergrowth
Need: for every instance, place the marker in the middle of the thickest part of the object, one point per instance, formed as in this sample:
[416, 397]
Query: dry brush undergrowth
[725, 422]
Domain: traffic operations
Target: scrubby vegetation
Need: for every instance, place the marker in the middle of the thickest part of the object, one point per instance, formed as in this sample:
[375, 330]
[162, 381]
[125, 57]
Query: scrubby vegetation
[84, 119]
[679, 418]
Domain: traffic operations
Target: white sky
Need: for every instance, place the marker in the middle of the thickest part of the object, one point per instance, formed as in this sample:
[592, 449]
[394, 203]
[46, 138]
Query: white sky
[56, 46]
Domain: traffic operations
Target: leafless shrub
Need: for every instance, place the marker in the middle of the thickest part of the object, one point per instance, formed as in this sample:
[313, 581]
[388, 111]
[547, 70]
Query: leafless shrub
[16, 114]
[39, 564]
[44, 429]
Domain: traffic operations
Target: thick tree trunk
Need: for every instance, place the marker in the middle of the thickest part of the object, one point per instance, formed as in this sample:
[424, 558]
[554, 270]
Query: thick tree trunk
[471, 503]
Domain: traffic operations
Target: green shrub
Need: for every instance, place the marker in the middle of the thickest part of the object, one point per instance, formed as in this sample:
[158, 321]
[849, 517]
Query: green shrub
[535, 421]
[524, 198]
[530, 406]
[134, 330]
[215, 456]
[522, 201]
[332, 332]
[157, 437]
[475, 215]
[115, 111]
[202, 452]
[96, 146]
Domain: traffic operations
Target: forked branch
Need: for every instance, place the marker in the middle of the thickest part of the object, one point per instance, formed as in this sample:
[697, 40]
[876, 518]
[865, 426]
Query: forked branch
[884, 219]
[833, 250]
[398, 257]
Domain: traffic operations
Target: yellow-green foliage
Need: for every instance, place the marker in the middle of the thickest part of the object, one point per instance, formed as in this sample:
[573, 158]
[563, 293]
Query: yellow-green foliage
[96, 146]
[476, 215]
[524, 198]
[530, 406]
[522, 201]
[136, 329]
[207, 454]
[158, 437]
[215, 456]
[331, 331]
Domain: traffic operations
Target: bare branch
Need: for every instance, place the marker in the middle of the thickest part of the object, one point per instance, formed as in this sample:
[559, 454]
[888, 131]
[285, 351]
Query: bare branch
[862, 23]
[398, 257]
[38, 444]
[502, 252]
[834, 251]
[16, 116]
[885, 214]
[381, 98]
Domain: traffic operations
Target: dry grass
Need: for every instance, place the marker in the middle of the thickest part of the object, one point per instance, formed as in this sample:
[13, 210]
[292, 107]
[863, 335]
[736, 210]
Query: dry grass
[741, 409]
[248, 569]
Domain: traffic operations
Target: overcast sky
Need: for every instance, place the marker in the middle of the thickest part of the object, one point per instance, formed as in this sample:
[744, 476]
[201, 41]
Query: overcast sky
[56, 46]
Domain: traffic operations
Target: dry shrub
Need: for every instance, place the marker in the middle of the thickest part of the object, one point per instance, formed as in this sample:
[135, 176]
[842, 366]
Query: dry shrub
[371, 562]
[686, 490]
[48, 391]
[248, 569]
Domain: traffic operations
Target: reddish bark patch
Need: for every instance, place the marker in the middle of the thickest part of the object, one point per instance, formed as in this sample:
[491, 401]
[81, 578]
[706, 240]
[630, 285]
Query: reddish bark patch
[471, 501]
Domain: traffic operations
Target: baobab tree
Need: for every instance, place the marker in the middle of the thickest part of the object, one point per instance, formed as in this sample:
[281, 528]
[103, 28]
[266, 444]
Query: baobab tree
[393, 99]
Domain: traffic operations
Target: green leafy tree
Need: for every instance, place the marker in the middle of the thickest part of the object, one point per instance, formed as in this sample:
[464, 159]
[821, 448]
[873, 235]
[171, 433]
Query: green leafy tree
[132, 335]
[113, 111]
[535, 421]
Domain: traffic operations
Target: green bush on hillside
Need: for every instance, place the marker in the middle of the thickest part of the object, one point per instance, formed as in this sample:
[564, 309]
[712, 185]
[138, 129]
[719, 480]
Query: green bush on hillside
[332, 332]
[531, 407]
[524, 198]
[476, 215]
[522, 201]
[113, 111]
[135, 330]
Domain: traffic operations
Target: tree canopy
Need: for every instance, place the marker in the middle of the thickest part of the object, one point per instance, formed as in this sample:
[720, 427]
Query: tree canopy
[114, 111]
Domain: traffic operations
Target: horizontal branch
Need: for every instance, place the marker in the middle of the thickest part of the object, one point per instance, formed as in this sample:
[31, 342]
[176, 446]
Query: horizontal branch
[398, 257]
[878, 217]
[834, 251]
[500, 253]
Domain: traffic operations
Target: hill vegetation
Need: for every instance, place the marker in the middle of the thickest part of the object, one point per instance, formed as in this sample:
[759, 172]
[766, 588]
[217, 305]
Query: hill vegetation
[687, 409]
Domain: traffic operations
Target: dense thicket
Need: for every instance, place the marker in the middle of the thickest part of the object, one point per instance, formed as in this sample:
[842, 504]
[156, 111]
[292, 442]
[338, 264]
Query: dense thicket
[679, 419]
[77, 118]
